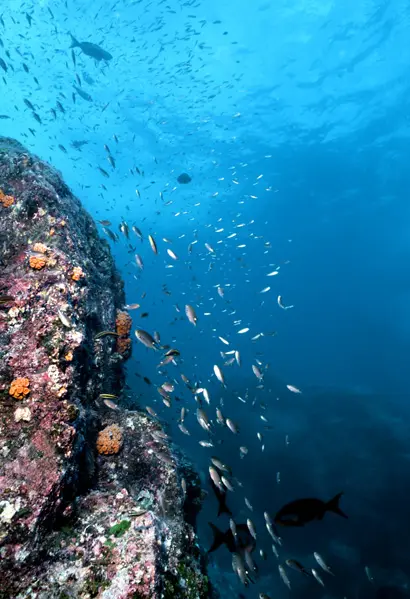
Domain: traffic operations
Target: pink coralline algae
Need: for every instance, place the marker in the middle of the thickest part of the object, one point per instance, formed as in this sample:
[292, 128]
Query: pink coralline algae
[74, 522]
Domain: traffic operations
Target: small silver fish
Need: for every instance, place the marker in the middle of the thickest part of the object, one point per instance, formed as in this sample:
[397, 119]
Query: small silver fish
[226, 482]
[249, 561]
[110, 404]
[183, 485]
[251, 528]
[206, 443]
[243, 451]
[220, 465]
[232, 426]
[322, 563]
[238, 567]
[219, 375]
[153, 244]
[216, 479]
[65, 321]
[151, 412]
[168, 387]
[257, 372]
[284, 576]
[275, 538]
[316, 575]
[295, 565]
[190, 314]
[219, 417]
[203, 419]
[139, 261]
[145, 338]
[183, 429]
[172, 254]
[164, 457]
[368, 574]
[206, 396]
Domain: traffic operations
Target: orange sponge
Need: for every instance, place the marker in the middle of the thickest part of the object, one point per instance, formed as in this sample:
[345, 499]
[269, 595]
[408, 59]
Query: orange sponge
[123, 346]
[77, 273]
[109, 440]
[123, 323]
[5, 200]
[37, 262]
[19, 388]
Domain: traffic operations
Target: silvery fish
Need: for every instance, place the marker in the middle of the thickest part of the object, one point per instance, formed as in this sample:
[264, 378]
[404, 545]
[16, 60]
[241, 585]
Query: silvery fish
[145, 338]
[190, 313]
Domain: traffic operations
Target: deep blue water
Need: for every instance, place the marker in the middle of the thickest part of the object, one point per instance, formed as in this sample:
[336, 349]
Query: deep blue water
[314, 96]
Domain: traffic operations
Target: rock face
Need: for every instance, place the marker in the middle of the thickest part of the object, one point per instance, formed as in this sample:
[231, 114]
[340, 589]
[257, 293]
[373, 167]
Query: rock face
[78, 518]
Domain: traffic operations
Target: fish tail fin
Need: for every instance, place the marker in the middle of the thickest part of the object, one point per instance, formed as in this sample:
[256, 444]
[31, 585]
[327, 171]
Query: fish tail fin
[333, 506]
[74, 42]
[223, 508]
[219, 537]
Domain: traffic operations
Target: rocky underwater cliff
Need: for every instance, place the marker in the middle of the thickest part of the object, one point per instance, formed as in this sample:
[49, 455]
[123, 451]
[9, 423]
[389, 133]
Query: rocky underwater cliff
[91, 501]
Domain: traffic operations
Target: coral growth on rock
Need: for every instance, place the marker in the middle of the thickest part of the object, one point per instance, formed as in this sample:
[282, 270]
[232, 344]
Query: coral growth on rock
[123, 324]
[19, 388]
[40, 247]
[77, 273]
[37, 262]
[5, 200]
[109, 440]
[74, 523]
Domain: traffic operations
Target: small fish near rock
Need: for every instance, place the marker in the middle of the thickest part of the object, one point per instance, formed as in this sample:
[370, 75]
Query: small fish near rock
[184, 178]
[90, 49]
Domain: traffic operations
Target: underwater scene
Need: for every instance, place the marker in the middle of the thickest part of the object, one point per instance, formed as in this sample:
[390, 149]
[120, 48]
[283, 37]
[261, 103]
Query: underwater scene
[204, 299]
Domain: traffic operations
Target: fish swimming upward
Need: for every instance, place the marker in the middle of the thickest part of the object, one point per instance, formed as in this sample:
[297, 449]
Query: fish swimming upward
[302, 511]
[239, 544]
[90, 49]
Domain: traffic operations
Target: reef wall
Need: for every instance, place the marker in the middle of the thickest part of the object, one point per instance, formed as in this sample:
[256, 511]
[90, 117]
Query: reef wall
[91, 502]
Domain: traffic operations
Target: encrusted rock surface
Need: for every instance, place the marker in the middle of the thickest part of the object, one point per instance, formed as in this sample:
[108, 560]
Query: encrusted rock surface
[74, 523]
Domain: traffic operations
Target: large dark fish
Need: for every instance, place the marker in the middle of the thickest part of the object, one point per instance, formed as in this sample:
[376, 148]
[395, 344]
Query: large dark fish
[90, 49]
[243, 542]
[221, 497]
[302, 511]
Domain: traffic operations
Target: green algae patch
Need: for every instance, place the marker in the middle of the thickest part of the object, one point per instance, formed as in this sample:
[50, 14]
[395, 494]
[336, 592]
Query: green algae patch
[119, 529]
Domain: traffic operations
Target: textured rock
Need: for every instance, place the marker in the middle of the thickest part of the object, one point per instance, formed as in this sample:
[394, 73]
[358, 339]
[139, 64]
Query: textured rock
[74, 523]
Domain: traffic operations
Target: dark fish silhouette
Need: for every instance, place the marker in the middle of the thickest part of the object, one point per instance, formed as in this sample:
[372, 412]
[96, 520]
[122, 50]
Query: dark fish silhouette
[243, 541]
[221, 497]
[302, 511]
[184, 178]
[90, 49]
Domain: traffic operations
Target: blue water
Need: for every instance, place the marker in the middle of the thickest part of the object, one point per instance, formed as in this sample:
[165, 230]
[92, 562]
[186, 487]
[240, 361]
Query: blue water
[312, 95]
